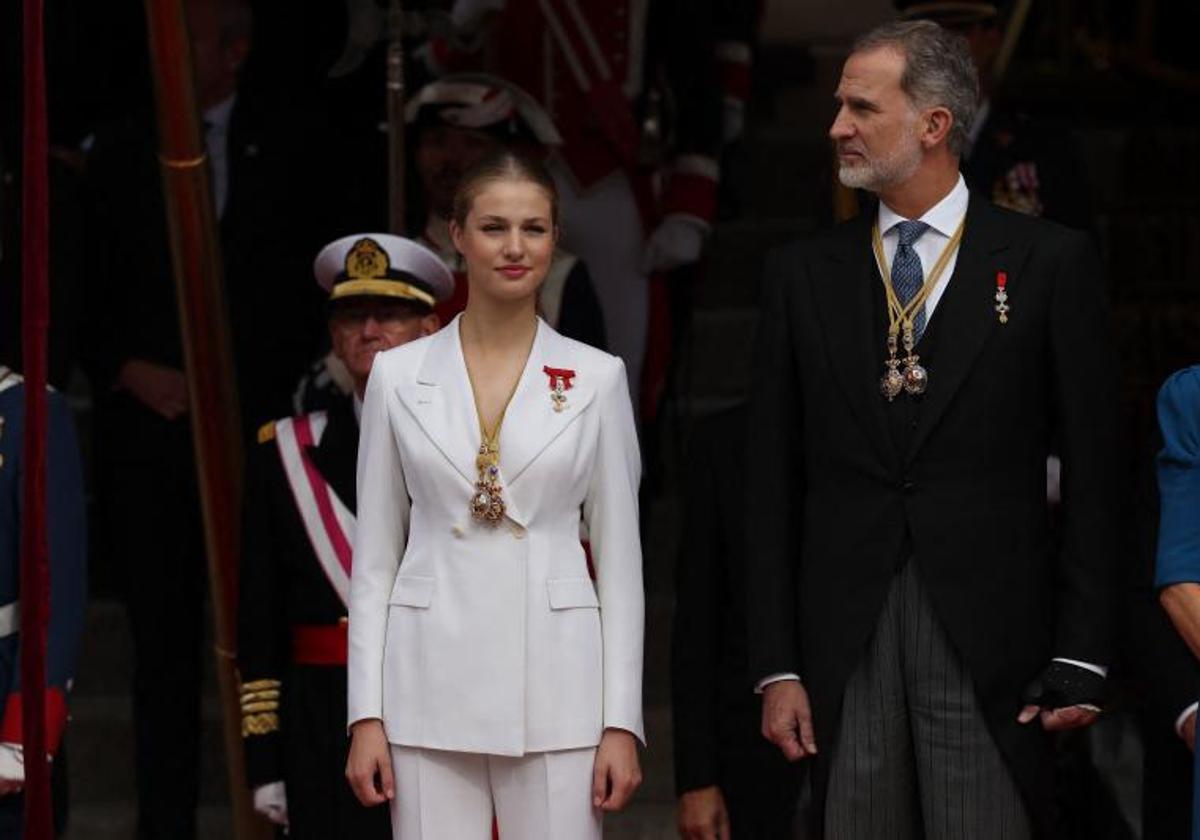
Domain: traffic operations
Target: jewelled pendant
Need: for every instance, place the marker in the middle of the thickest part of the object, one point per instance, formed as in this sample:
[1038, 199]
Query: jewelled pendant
[487, 503]
[892, 382]
[916, 378]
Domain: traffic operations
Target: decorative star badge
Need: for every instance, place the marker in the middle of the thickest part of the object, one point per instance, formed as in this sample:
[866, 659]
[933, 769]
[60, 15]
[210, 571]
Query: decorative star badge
[561, 380]
[1002, 307]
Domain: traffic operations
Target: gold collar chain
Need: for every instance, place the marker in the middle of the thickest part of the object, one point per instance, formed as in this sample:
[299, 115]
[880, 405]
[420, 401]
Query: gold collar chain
[914, 379]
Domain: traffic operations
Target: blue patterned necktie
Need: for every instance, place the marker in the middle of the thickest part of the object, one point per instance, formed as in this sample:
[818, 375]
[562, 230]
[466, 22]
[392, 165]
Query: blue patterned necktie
[907, 274]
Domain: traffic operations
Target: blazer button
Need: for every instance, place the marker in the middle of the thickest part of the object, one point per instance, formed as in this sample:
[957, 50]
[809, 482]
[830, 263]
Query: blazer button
[457, 531]
[518, 531]
[909, 488]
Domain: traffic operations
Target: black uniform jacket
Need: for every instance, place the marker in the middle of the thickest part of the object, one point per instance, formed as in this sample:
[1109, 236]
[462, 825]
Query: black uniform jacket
[282, 583]
[844, 488]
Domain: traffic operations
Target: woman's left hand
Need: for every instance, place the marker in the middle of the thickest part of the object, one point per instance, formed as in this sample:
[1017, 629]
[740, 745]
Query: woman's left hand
[617, 773]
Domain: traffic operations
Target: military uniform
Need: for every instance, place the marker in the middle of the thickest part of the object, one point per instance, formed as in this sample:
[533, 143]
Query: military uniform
[295, 572]
[67, 538]
[292, 630]
[635, 90]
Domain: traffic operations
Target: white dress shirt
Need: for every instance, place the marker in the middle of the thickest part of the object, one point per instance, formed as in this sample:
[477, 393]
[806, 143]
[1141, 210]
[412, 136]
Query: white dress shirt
[943, 219]
[216, 141]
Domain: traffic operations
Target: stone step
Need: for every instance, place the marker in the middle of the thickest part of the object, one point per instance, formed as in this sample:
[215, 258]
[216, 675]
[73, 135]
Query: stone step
[117, 821]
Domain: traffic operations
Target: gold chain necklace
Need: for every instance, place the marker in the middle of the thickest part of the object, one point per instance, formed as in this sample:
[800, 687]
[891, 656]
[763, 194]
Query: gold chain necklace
[487, 502]
[914, 379]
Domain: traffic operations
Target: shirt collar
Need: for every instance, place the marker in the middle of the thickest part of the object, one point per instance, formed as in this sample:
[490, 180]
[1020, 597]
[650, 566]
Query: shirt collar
[218, 115]
[358, 407]
[943, 217]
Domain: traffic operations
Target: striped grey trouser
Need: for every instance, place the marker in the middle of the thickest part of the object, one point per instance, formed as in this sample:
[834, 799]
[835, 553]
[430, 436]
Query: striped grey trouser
[914, 758]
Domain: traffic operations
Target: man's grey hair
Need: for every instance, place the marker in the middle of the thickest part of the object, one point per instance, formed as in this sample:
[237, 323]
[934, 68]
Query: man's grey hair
[938, 71]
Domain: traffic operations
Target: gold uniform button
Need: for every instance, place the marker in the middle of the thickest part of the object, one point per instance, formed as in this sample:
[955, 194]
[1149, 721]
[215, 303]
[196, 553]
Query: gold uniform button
[457, 531]
[518, 531]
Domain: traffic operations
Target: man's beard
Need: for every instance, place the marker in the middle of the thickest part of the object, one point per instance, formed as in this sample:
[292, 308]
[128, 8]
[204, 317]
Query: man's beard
[875, 175]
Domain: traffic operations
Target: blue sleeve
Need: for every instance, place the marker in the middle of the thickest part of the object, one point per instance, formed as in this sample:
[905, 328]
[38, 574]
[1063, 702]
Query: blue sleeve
[1178, 556]
[66, 535]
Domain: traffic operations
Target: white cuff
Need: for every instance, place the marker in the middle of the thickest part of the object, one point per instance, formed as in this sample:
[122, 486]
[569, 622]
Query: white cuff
[774, 678]
[270, 800]
[1087, 666]
[12, 762]
[1183, 716]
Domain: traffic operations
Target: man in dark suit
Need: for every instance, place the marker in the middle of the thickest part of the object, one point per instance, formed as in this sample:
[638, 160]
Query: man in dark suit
[926, 635]
[729, 781]
[295, 563]
[272, 216]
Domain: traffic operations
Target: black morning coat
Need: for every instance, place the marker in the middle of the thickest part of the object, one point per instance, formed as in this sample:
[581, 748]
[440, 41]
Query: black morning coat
[844, 488]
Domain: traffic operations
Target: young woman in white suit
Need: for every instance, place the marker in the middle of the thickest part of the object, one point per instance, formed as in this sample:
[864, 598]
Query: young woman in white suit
[488, 673]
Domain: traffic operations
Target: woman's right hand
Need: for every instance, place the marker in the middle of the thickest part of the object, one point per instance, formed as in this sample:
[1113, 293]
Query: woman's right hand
[369, 767]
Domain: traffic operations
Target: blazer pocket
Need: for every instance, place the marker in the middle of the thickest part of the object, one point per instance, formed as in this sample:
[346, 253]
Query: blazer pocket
[566, 593]
[412, 591]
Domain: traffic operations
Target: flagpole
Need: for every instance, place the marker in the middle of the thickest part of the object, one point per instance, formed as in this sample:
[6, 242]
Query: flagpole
[196, 260]
[35, 319]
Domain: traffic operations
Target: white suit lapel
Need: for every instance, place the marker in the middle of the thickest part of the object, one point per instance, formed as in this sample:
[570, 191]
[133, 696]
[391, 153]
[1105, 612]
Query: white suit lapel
[440, 401]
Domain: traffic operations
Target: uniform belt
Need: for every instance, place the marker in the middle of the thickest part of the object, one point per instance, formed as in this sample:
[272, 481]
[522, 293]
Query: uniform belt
[319, 644]
[10, 619]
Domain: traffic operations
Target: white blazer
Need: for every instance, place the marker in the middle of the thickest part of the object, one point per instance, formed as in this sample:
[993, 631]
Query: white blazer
[475, 638]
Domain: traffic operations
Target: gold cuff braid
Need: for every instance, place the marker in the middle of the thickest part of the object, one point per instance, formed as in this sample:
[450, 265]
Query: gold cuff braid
[260, 724]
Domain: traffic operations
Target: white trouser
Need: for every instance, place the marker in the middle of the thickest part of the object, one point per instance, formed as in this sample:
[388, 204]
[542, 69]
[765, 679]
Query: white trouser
[603, 227]
[452, 795]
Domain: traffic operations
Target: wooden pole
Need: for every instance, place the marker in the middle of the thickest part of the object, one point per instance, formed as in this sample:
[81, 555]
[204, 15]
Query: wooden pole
[1012, 35]
[397, 165]
[35, 319]
[196, 260]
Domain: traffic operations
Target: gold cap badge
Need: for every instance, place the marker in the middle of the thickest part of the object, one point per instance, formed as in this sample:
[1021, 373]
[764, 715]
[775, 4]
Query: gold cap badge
[367, 261]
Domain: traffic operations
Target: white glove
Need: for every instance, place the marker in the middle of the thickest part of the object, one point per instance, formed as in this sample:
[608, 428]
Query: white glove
[270, 800]
[677, 241]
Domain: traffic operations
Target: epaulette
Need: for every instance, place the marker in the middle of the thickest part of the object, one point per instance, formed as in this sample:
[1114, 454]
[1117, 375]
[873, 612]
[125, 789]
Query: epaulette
[266, 432]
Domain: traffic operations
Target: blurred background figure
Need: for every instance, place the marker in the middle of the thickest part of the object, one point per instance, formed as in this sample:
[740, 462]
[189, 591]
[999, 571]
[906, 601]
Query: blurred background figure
[67, 535]
[453, 123]
[730, 782]
[272, 215]
[634, 90]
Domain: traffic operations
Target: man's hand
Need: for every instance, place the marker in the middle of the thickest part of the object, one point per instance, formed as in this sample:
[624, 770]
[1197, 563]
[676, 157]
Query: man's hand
[616, 773]
[369, 766]
[1058, 720]
[701, 815]
[161, 389]
[787, 719]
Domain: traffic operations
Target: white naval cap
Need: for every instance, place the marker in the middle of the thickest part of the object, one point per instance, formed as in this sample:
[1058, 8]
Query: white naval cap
[485, 103]
[382, 265]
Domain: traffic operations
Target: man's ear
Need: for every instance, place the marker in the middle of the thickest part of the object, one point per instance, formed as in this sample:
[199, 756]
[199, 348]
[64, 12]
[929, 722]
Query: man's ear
[430, 324]
[936, 124]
